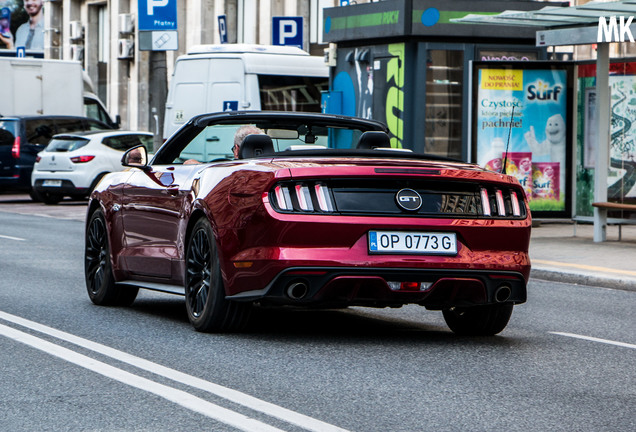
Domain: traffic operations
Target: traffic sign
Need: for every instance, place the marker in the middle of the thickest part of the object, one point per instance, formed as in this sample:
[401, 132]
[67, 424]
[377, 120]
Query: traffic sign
[223, 29]
[157, 14]
[230, 105]
[287, 31]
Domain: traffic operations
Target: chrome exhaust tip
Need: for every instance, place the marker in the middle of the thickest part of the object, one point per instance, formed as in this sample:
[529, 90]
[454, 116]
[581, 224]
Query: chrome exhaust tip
[297, 290]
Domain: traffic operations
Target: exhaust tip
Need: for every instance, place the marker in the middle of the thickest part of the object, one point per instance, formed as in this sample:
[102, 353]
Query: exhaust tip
[503, 293]
[297, 290]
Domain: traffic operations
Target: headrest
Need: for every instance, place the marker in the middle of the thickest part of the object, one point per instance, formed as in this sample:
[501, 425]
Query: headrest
[373, 139]
[256, 145]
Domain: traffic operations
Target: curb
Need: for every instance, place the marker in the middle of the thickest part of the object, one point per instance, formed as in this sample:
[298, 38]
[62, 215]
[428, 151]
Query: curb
[583, 278]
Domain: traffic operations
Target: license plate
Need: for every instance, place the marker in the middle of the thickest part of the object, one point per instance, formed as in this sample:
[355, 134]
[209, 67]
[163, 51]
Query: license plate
[400, 242]
[52, 183]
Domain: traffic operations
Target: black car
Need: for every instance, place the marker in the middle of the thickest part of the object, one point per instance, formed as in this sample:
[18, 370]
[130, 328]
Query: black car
[22, 137]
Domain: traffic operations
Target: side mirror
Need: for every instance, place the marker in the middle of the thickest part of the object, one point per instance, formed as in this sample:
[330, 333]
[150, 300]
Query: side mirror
[136, 157]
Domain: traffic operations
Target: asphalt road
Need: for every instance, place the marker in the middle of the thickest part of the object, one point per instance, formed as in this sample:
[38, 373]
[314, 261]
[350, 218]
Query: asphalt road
[565, 361]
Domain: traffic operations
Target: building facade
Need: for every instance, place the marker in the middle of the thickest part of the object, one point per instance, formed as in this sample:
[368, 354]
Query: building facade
[132, 82]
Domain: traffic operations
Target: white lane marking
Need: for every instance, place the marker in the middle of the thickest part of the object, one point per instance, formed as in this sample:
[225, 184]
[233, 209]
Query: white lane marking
[179, 397]
[593, 339]
[235, 396]
[11, 238]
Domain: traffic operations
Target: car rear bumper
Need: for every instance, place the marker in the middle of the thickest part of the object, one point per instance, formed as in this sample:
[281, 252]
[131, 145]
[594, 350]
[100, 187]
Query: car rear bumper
[381, 287]
[67, 188]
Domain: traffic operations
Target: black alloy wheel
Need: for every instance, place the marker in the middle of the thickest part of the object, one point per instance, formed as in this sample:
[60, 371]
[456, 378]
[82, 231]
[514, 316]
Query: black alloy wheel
[486, 320]
[208, 310]
[100, 281]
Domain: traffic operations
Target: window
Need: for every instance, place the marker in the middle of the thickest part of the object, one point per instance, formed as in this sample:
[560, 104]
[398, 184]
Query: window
[291, 93]
[66, 144]
[94, 110]
[39, 131]
[124, 142]
[8, 130]
[69, 125]
[444, 90]
[93, 125]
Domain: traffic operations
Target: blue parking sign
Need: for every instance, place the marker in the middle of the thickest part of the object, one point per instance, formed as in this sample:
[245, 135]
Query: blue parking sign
[157, 14]
[230, 105]
[287, 31]
[222, 28]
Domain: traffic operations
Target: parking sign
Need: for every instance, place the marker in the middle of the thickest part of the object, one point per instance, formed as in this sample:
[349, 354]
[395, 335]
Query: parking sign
[287, 31]
[157, 14]
[222, 28]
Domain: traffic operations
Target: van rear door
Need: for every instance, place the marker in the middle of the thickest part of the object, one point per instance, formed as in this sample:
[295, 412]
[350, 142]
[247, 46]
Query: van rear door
[187, 96]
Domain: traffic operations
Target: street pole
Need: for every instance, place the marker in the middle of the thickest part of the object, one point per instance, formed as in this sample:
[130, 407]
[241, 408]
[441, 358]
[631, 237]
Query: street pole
[158, 92]
[603, 111]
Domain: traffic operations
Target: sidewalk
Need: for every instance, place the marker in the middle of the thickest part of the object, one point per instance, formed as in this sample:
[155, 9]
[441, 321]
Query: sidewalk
[559, 255]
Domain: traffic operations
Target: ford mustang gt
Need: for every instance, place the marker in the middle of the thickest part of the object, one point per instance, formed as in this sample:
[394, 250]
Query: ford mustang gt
[308, 210]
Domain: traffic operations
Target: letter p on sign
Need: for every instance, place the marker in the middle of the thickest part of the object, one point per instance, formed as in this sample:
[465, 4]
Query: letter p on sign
[287, 31]
[155, 3]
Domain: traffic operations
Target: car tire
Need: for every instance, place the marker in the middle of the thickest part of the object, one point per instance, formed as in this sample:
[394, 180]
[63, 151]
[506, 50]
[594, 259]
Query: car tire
[35, 197]
[45, 197]
[486, 320]
[208, 309]
[100, 281]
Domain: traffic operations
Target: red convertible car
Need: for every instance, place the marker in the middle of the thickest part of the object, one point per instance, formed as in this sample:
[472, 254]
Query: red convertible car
[308, 210]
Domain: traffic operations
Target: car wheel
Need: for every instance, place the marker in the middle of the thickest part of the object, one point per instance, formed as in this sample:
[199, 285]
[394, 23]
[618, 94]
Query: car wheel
[45, 197]
[484, 320]
[34, 195]
[100, 281]
[207, 308]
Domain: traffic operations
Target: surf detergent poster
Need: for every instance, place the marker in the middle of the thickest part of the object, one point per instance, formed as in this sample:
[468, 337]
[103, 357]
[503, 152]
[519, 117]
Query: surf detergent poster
[521, 121]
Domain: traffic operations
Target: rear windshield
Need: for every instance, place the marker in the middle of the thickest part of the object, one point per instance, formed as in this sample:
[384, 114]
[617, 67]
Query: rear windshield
[65, 144]
[124, 142]
[8, 129]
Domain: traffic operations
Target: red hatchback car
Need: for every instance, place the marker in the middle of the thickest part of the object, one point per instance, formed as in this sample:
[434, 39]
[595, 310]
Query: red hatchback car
[318, 211]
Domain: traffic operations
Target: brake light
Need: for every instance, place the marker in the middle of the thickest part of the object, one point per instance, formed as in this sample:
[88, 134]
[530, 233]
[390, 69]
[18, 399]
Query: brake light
[82, 159]
[15, 150]
[485, 202]
[38, 159]
[306, 197]
[516, 209]
[501, 208]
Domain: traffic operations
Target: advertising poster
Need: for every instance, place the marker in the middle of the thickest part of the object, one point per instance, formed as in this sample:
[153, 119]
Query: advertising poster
[22, 25]
[522, 125]
[621, 178]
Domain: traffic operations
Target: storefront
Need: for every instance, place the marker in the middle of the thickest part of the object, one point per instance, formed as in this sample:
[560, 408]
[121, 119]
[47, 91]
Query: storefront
[407, 63]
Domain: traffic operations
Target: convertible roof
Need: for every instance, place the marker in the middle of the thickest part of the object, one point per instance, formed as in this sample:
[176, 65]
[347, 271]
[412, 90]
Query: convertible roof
[274, 118]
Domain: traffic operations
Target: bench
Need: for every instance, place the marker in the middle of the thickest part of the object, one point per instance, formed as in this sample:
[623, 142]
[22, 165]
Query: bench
[616, 206]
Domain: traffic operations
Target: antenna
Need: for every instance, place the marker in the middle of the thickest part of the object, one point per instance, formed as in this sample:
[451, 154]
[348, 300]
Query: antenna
[505, 161]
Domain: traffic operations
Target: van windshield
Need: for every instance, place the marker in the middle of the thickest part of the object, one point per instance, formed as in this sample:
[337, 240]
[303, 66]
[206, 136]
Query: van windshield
[291, 93]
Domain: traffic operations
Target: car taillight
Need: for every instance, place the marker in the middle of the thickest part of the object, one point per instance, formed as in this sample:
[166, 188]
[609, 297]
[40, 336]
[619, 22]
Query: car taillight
[82, 159]
[500, 202]
[15, 150]
[305, 197]
[38, 159]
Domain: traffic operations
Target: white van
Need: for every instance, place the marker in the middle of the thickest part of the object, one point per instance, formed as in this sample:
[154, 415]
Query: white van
[231, 77]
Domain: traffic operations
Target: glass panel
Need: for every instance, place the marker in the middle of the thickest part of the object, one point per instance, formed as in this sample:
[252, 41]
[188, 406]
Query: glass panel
[8, 130]
[444, 89]
[291, 93]
[66, 145]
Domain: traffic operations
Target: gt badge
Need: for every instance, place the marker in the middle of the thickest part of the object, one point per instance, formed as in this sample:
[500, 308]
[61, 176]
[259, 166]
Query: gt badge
[408, 200]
